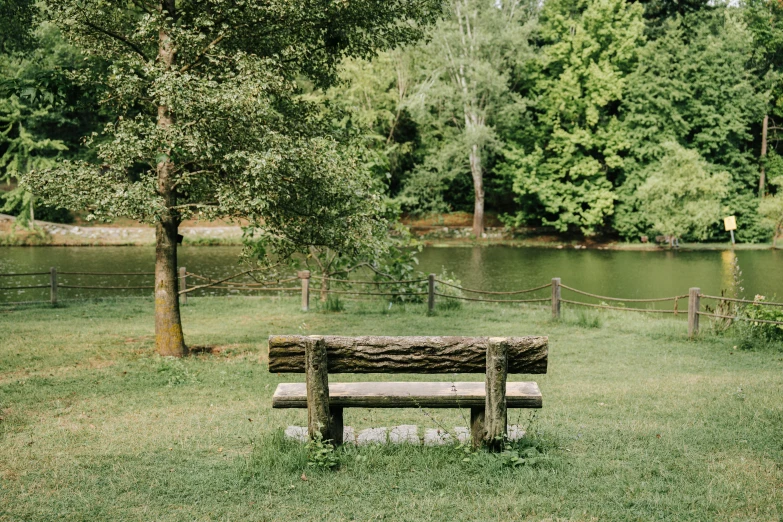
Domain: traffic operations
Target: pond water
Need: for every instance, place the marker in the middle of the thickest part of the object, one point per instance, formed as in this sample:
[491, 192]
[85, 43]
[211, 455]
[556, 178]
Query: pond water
[629, 274]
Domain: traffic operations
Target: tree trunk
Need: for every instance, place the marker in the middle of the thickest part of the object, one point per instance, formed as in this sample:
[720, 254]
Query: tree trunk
[478, 188]
[169, 339]
[762, 177]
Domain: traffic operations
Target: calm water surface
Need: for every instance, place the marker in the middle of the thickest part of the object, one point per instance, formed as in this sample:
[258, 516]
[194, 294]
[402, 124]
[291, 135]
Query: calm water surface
[614, 273]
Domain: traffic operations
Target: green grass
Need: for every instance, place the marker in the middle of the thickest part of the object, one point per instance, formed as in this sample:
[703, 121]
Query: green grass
[638, 423]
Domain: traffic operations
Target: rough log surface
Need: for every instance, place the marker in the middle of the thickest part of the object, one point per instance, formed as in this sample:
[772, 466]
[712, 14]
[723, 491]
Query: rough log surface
[376, 354]
[408, 395]
[495, 418]
[317, 390]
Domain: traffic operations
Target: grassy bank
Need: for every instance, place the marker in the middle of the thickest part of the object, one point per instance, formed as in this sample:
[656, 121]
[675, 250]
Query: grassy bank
[638, 423]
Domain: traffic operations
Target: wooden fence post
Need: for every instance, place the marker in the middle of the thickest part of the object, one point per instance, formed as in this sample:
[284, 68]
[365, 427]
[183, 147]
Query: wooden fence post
[304, 275]
[183, 284]
[53, 285]
[317, 376]
[555, 298]
[693, 312]
[496, 415]
[431, 293]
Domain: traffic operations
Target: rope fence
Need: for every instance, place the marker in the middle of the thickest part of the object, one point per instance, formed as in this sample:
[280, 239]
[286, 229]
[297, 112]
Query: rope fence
[389, 294]
[621, 299]
[740, 318]
[431, 287]
[486, 292]
[359, 282]
[624, 309]
[89, 287]
[106, 273]
[733, 300]
[493, 300]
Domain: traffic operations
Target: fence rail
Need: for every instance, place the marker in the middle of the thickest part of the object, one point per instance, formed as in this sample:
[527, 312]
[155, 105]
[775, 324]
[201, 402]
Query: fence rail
[740, 318]
[107, 273]
[622, 299]
[733, 300]
[433, 288]
[624, 309]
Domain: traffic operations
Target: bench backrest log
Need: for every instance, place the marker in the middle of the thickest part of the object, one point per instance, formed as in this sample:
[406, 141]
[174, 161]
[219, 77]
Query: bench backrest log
[379, 354]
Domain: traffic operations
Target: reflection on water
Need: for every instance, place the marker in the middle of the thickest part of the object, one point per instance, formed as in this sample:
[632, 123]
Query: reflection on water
[629, 274]
[728, 265]
[614, 273]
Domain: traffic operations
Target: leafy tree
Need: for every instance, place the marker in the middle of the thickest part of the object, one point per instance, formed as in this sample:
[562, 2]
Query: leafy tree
[373, 98]
[393, 263]
[695, 87]
[16, 25]
[771, 212]
[771, 205]
[658, 12]
[565, 178]
[42, 114]
[210, 121]
[764, 19]
[464, 87]
[681, 196]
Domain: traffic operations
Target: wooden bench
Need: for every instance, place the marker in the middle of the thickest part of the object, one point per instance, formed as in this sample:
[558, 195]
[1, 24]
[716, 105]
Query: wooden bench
[496, 357]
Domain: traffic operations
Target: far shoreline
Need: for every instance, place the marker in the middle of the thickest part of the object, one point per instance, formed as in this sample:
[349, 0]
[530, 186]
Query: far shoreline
[451, 235]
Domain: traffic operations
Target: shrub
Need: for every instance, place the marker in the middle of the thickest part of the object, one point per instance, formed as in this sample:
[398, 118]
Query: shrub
[752, 333]
[444, 303]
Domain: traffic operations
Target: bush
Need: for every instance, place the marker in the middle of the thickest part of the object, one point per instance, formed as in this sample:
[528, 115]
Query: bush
[753, 333]
[444, 303]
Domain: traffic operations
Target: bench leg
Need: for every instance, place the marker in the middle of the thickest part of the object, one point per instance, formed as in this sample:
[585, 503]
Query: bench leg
[336, 425]
[317, 378]
[495, 384]
[477, 426]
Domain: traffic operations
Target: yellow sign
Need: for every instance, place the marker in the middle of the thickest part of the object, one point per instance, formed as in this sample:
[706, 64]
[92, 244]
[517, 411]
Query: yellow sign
[730, 223]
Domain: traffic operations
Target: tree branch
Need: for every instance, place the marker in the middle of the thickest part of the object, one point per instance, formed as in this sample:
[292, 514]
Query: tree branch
[195, 205]
[117, 37]
[204, 51]
[213, 283]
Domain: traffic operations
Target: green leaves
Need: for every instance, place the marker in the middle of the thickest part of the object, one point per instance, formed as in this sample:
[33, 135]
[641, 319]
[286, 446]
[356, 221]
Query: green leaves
[592, 46]
[211, 121]
[693, 86]
[463, 88]
[681, 197]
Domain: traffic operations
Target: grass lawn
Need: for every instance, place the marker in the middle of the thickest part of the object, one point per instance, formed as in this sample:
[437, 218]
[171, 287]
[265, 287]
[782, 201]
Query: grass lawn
[638, 423]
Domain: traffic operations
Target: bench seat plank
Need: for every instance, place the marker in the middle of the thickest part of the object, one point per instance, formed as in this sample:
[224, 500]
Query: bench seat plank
[408, 395]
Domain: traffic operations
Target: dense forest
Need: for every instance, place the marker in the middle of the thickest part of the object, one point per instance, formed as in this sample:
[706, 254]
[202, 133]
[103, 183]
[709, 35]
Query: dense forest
[595, 117]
